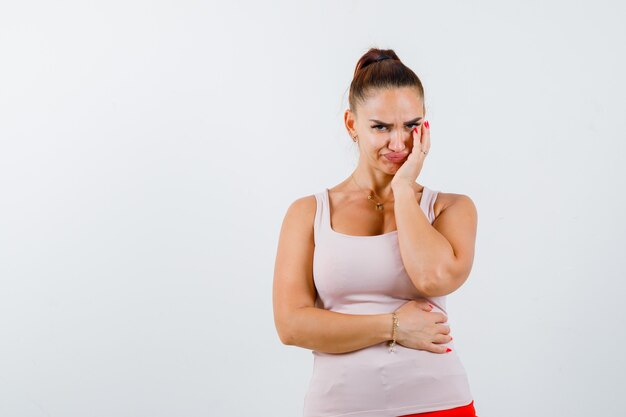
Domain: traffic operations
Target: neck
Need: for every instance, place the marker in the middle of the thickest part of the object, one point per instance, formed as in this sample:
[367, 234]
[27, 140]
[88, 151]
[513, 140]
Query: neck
[378, 182]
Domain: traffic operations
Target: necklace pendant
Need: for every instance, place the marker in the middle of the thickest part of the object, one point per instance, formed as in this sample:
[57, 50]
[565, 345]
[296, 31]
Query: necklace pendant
[379, 206]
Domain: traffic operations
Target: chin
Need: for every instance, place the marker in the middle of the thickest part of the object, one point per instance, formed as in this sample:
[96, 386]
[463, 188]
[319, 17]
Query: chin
[391, 169]
[392, 165]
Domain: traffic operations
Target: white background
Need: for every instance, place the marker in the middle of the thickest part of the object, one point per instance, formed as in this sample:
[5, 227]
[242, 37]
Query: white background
[149, 151]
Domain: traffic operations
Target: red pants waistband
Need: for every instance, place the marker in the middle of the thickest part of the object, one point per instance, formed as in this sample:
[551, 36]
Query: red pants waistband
[463, 411]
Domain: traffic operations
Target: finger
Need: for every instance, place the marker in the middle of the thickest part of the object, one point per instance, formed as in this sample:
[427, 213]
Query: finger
[426, 137]
[417, 141]
[442, 338]
[441, 318]
[443, 329]
[417, 137]
[437, 348]
[424, 305]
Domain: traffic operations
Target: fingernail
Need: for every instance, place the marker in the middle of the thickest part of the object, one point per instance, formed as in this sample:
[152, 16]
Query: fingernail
[426, 124]
[431, 306]
[448, 350]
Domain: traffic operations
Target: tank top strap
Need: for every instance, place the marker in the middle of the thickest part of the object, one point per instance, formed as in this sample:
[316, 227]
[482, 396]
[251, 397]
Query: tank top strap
[320, 215]
[427, 203]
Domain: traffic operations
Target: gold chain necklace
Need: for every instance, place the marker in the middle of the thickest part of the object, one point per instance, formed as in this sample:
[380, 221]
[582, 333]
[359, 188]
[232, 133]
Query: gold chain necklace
[379, 205]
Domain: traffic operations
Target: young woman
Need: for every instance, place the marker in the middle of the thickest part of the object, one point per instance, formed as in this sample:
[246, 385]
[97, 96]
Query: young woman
[363, 268]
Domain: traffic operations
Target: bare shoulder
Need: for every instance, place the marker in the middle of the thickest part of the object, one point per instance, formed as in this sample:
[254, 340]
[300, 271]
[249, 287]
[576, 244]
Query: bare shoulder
[301, 214]
[461, 202]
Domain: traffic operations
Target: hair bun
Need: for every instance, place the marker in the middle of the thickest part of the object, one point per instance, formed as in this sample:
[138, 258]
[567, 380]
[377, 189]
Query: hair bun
[392, 74]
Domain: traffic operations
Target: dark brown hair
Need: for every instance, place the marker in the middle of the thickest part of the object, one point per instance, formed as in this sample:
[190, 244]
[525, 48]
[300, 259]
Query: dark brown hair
[380, 68]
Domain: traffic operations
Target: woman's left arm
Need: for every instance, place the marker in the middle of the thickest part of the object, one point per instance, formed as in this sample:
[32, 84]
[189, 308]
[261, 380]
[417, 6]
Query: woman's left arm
[438, 258]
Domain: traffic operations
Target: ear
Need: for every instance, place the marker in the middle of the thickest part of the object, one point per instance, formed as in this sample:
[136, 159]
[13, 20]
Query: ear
[349, 120]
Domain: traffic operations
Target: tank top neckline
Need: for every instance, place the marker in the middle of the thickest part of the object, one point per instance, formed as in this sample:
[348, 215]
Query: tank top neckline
[329, 226]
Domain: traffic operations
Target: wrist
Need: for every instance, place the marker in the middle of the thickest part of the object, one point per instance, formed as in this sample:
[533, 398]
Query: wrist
[394, 332]
[386, 327]
[403, 188]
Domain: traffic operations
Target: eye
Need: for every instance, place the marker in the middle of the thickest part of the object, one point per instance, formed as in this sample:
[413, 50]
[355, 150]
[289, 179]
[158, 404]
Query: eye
[377, 127]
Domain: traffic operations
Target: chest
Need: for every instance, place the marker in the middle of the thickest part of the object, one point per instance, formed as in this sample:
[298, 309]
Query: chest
[361, 275]
[363, 219]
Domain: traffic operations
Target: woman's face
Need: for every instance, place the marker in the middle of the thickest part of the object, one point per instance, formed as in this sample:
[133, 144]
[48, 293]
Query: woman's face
[384, 124]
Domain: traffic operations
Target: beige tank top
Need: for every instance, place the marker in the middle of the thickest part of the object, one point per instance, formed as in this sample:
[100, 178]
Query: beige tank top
[365, 275]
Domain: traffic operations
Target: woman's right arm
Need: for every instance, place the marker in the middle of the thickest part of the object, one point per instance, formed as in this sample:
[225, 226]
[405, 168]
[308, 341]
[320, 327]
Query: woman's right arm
[300, 323]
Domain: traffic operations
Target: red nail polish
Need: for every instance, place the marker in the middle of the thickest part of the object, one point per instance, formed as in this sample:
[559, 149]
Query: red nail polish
[426, 124]
[448, 350]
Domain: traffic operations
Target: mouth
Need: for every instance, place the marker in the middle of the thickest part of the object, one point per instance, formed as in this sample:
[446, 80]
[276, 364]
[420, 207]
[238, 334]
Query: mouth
[395, 157]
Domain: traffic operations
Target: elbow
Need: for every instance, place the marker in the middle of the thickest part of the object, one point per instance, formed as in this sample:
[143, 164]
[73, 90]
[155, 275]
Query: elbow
[289, 326]
[432, 283]
[285, 338]
[428, 288]
[284, 332]
[441, 286]
[425, 283]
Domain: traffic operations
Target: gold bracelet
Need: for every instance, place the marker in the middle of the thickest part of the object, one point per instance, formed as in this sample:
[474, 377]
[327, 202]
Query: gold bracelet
[392, 342]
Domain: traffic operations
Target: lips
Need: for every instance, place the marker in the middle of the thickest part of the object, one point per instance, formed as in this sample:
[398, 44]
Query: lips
[395, 156]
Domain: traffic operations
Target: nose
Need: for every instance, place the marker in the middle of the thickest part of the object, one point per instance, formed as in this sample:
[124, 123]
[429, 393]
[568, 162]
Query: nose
[398, 139]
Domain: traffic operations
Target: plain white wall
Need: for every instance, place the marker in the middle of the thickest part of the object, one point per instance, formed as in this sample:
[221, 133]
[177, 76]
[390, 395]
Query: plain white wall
[149, 151]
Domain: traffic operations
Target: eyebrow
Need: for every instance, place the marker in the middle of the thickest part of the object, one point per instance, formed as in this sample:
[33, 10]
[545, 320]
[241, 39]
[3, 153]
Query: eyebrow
[417, 119]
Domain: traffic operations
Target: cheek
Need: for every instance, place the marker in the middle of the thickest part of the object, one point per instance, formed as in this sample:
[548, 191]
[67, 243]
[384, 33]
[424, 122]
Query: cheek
[378, 143]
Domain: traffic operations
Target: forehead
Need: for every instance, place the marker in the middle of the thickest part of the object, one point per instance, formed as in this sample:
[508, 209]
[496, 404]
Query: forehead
[389, 103]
